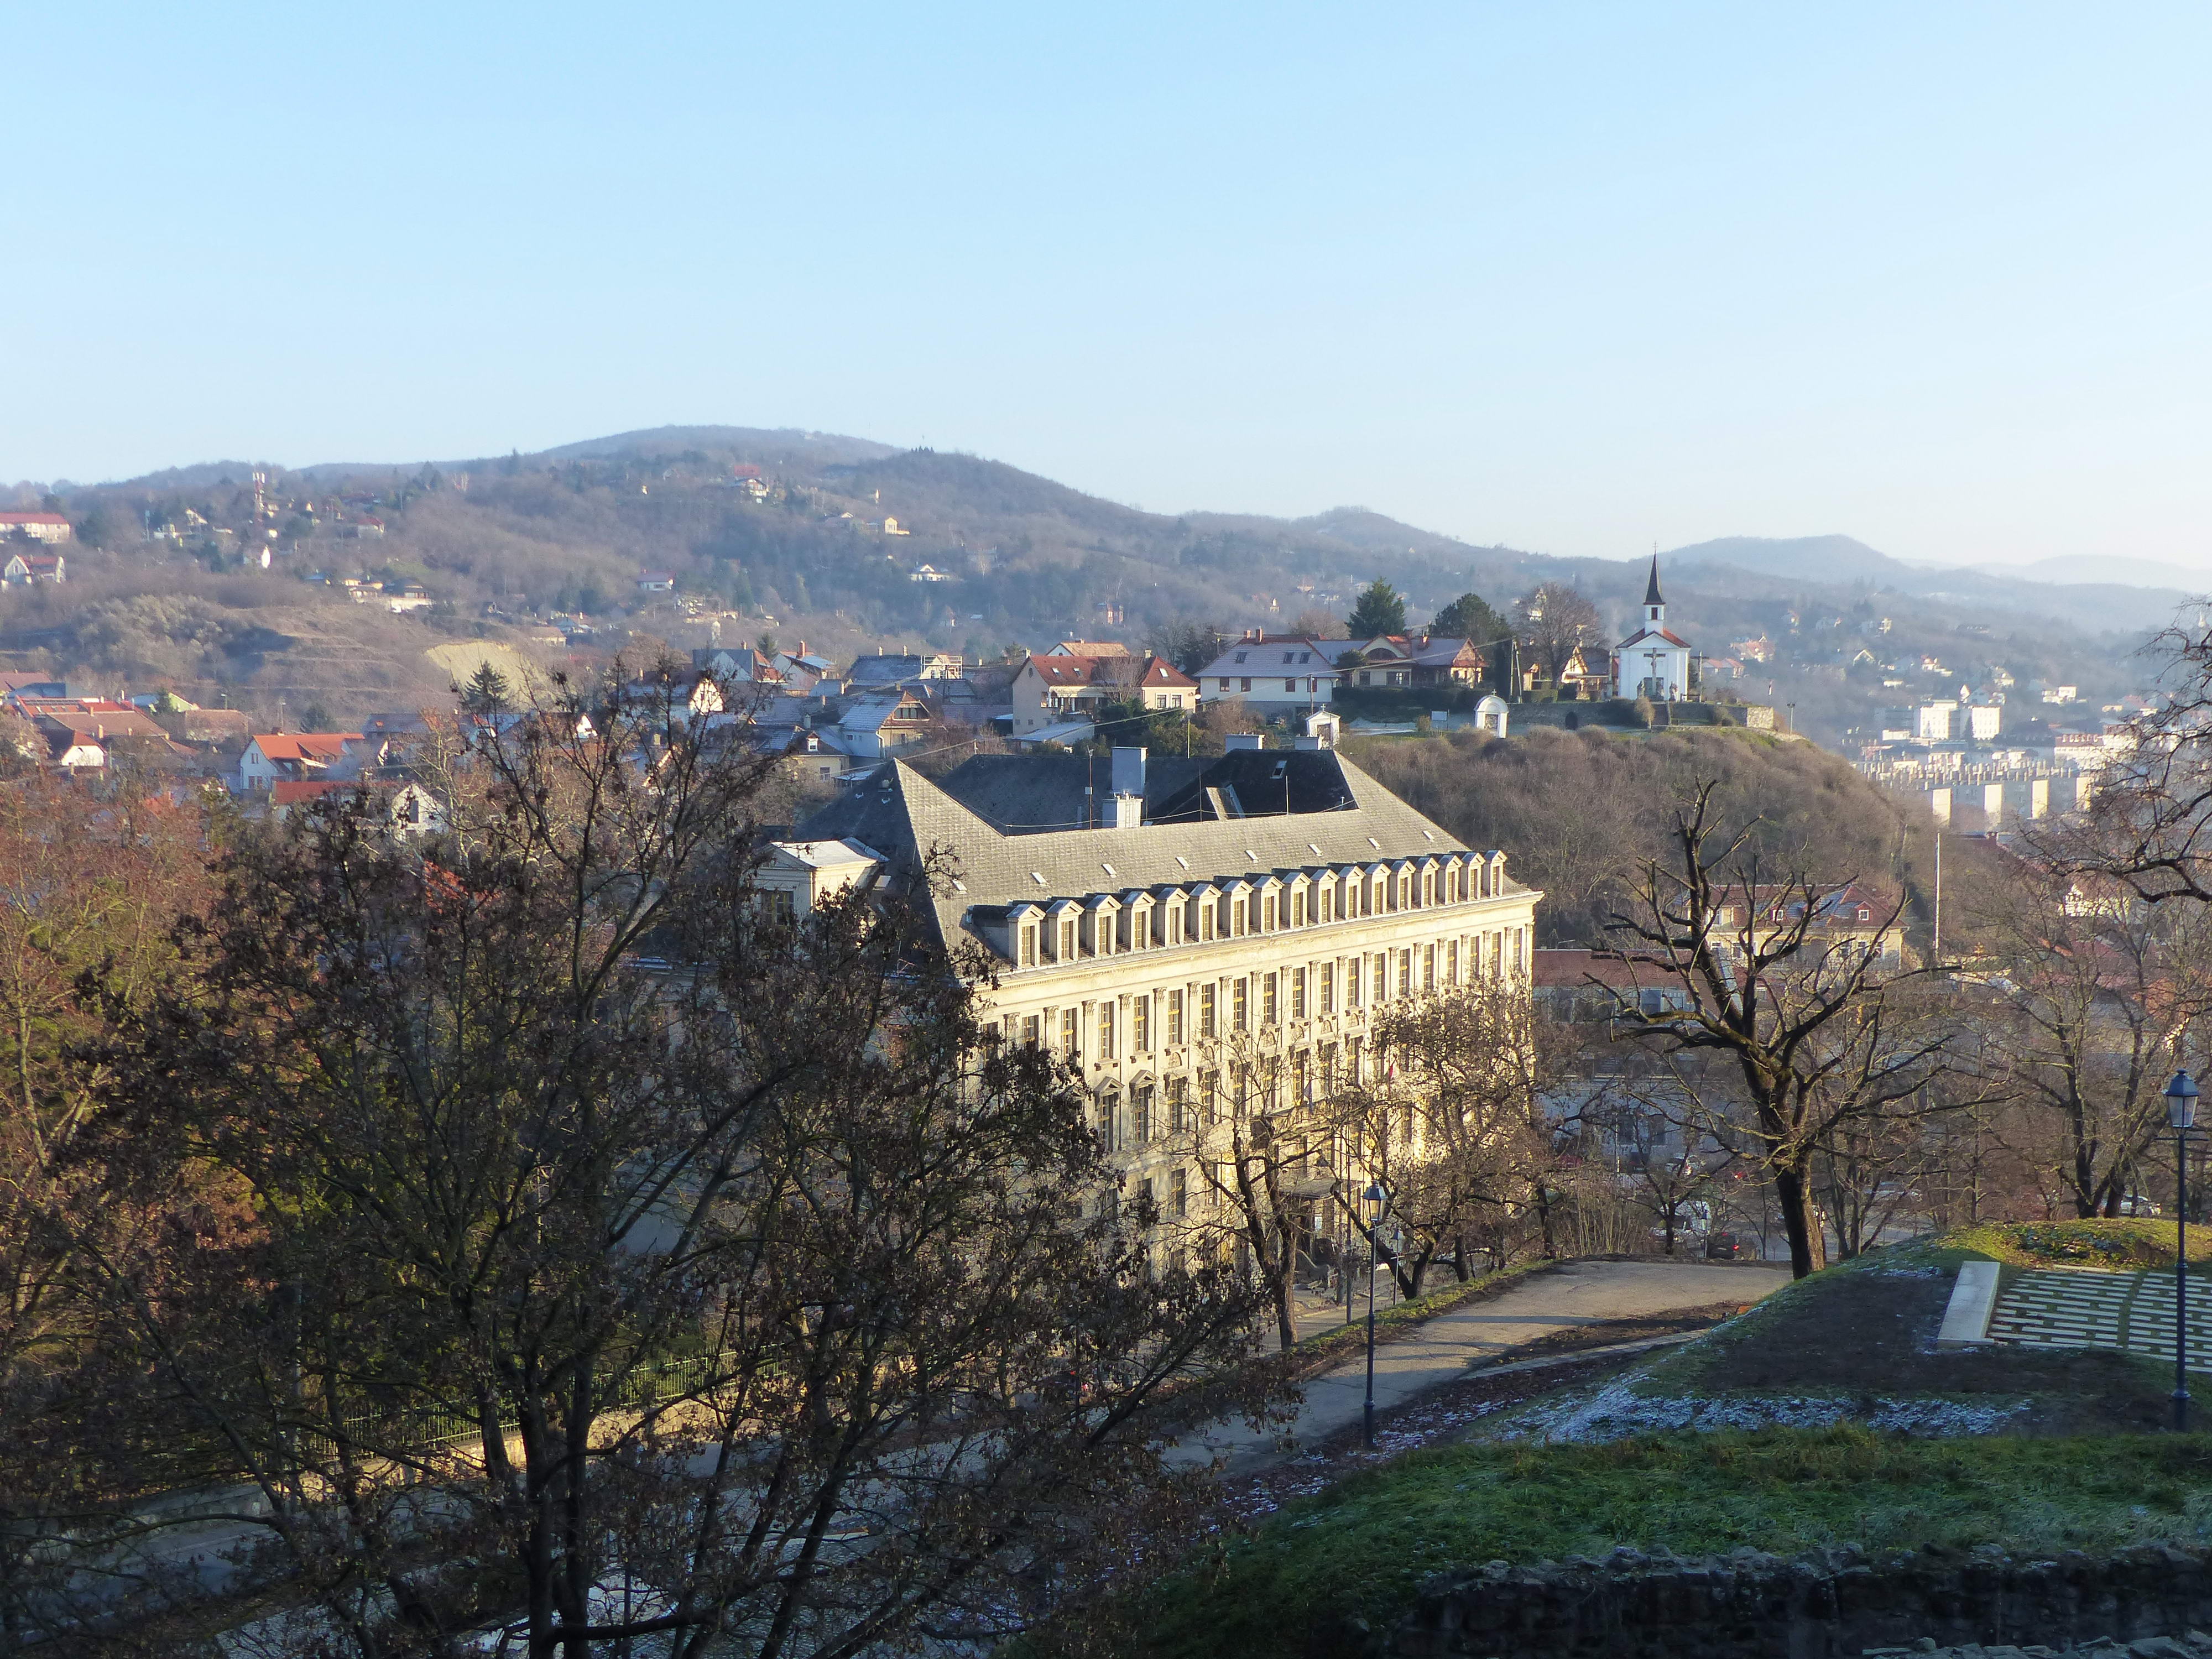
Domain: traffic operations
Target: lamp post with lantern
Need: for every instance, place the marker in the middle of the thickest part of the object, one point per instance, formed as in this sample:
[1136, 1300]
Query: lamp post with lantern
[2181, 1118]
[1376, 1197]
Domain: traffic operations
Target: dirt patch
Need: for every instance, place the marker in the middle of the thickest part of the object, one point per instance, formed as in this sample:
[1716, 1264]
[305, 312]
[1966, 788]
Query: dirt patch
[1872, 1330]
[1439, 1417]
[1608, 1333]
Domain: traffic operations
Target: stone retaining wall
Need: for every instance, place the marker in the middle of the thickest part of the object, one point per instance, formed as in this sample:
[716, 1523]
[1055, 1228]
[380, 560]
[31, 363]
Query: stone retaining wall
[1831, 1603]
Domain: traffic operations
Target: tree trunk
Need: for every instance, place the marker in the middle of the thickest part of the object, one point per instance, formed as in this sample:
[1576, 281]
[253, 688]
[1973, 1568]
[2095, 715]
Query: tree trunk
[1800, 1221]
[1459, 1270]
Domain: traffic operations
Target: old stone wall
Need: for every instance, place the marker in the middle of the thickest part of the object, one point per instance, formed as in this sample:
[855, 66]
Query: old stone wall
[1831, 1603]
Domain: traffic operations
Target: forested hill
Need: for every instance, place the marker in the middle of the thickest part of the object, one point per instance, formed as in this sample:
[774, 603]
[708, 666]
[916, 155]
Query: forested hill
[812, 535]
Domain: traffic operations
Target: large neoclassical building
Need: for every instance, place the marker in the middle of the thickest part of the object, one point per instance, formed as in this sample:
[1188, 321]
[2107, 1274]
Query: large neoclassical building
[1150, 919]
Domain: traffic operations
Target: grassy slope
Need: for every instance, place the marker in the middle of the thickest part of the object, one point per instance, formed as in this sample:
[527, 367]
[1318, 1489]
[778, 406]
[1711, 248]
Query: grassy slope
[2077, 1472]
[1366, 1547]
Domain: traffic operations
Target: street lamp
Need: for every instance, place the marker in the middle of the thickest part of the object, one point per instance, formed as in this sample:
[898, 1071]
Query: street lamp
[1377, 1200]
[2181, 1118]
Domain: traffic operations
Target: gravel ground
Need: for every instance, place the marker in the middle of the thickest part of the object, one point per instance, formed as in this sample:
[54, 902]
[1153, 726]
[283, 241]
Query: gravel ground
[2195, 1645]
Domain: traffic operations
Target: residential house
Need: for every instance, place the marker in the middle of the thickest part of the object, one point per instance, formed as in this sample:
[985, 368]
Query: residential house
[1086, 648]
[901, 668]
[1757, 649]
[1421, 663]
[891, 528]
[1054, 690]
[655, 581]
[22, 570]
[1219, 944]
[48, 527]
[274, 757]
[872, 727]
[1276, 674]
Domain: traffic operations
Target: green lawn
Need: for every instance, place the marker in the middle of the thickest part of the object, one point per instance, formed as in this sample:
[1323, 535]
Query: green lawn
[1364, 1547]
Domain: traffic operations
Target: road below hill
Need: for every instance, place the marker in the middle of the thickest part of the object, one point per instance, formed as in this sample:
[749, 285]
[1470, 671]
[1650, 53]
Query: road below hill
[1548, 1304]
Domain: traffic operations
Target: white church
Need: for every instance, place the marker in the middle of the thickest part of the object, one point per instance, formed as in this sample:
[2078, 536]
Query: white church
[1652, 662]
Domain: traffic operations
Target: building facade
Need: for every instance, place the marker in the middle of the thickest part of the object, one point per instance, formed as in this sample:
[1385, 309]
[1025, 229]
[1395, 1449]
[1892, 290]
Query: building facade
[1215, 926]
[1279, 674]
[1652, 662]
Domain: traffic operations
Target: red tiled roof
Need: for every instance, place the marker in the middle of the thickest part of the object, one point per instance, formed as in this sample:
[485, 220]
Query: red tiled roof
[32, 517]
[304, 746]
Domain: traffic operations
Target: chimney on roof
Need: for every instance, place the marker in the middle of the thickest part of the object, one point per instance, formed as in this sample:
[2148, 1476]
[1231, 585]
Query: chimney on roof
[1128, 774]
[1128, 811]
[1241, 740]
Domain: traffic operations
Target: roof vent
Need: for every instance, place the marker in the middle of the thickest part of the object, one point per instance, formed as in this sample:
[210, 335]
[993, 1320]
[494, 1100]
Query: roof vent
[1037, 877]
[1374, 843]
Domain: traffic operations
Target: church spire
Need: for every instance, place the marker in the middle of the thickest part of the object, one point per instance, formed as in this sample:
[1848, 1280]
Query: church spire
[1651, 589]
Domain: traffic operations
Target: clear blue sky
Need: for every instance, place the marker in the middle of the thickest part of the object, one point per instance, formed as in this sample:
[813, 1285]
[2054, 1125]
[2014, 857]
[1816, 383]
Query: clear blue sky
[1574, 277]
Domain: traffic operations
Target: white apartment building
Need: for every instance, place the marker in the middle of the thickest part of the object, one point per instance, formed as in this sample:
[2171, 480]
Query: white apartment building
[1254, 910]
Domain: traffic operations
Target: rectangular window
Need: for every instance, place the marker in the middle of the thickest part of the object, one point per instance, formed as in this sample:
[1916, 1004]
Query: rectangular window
[1290, 685]
[1297, 993]
[1240, 1010]
[1110, 1124]
[1428, 968]
[1237, 918]
[1106, 1029]
[1405, 973]
[1382, 977]
[1178, 1192]
[1028, 957]
[1205, 923]
[1209, 1096]
[1175, 1019]
[1140, 1022]
[1178, 1105]
[1068, 1032]
[1269, 912]
[1328, 988]
[1298, 908]
[1205, 1022]
[1354, 1059]
[1141, 1112]
[1032, 1033]
[1301, 1079]
[1327, 1068]
[1268, 1010]
[1067, 939]
[1352, 971]
[1453, 967]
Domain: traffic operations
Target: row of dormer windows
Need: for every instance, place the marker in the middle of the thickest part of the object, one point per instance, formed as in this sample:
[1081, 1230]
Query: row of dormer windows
[1101, 925]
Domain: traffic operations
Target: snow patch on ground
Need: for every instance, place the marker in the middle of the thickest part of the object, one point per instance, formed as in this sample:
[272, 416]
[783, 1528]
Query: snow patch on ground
[1617, 1410]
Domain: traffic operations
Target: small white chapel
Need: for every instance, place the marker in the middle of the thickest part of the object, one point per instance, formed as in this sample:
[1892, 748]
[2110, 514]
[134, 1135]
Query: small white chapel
[1652, 662]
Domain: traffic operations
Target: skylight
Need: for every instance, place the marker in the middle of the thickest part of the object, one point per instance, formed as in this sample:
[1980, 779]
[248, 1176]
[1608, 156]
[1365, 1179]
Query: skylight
[1037, 877]
[1108, 868]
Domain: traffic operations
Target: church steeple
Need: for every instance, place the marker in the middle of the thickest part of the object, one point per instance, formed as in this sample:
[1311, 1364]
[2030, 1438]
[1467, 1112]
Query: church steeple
[1655, 608]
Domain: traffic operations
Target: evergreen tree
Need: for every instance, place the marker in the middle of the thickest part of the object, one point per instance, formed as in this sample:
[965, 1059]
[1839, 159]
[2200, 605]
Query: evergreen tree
[487, 691]
[1470, 617]
[1381, 610]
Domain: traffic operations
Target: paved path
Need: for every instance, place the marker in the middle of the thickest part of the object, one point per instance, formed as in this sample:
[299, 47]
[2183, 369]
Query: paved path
[1573, 1294]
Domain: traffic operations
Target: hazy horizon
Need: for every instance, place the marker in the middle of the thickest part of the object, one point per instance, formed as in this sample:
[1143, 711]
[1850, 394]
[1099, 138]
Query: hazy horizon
[1573, 281]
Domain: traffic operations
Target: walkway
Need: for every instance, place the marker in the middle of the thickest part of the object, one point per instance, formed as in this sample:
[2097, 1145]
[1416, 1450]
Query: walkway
[1569, 1296]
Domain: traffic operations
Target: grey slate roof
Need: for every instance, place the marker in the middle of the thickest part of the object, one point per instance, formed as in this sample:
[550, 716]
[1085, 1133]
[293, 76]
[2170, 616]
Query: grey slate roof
[1023, 794]
[904, 815]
